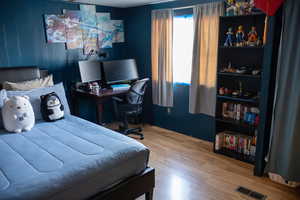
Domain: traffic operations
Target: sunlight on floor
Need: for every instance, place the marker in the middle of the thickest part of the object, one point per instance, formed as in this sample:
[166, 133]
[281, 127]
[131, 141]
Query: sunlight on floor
[176, 189]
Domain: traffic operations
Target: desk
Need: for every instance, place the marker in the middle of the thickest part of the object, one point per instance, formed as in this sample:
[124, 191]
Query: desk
[98, 97]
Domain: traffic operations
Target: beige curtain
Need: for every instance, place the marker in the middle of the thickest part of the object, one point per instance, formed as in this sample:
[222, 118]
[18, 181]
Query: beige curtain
[205, 53]
[162, 66]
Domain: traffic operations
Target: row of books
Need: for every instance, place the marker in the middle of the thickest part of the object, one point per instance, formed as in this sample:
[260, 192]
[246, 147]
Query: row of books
[233, 141]
[240, 112]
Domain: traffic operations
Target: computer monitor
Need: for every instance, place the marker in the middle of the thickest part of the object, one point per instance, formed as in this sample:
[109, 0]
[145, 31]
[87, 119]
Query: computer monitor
[119, 71]
[90, 71]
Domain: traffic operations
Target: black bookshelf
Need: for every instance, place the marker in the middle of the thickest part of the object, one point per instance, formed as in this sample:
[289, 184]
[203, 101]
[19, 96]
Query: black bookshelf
[237, 99]
[239, 17]
[246, 56]
[236, 75]
[239, 48]
[233, 122]
[239, 156]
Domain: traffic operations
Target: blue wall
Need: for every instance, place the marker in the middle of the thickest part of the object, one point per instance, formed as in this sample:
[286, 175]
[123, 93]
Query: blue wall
[23, 41]
[138, 31]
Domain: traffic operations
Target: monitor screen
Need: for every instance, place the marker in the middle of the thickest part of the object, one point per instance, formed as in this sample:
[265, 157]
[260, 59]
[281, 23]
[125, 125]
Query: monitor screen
[118, 71]
[90, 71]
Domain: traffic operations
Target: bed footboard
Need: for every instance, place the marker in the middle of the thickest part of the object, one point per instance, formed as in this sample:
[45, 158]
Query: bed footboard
[132, 188]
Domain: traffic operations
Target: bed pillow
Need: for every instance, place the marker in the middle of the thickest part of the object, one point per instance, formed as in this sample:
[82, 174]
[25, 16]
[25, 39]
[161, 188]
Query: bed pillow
[2, 98]
[35, 98]
[29, 85]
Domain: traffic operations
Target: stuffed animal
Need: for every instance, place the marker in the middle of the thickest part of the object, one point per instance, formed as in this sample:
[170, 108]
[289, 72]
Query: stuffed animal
[2, 97]
[17, 114]
[51, 107]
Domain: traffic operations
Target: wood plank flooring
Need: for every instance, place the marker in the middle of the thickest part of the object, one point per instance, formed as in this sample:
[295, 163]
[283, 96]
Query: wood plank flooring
[187, 169]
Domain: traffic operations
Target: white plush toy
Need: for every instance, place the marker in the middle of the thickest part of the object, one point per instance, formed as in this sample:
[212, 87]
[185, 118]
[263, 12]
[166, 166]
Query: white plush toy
[17, 114]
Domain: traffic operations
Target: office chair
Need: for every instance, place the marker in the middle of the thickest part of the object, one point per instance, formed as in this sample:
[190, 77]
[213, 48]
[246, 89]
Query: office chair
[131, 106]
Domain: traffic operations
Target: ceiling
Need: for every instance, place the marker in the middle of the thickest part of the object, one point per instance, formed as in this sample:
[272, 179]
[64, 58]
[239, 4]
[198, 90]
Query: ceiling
[119, 3]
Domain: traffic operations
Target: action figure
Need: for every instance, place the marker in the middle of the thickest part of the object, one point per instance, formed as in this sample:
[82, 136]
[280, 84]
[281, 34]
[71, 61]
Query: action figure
[240, 37]
[231, 9]
[252, 37]
[229, 38]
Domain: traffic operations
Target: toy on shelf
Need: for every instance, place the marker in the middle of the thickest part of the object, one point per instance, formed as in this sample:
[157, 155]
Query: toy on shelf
[222, 91]
[242, 70]
[251, 8]
[228, 69]
[229, 38]
[235, 93]
[240, 37]
[227, 91]
[250, 70]
[255, 72]
[244, 8]
[240, 7]
[238, 70]
[252, 37]
[231, 9]
[238, 93]
[248, 6]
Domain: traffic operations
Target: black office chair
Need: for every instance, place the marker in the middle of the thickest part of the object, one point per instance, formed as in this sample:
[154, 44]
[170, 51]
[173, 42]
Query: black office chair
[131, 106]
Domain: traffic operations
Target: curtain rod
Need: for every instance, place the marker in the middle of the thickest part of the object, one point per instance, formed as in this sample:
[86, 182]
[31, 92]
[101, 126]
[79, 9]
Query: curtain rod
[185, 7]
[177, 8]
[181, 8]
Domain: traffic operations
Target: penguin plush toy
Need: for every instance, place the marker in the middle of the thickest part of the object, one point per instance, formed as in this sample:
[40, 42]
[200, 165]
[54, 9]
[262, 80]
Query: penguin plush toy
[51, 107]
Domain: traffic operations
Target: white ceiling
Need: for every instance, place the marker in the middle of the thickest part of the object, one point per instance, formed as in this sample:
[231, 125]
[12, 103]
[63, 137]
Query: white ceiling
[119, 3]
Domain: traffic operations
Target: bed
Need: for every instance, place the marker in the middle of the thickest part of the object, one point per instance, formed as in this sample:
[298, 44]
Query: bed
[71, 159]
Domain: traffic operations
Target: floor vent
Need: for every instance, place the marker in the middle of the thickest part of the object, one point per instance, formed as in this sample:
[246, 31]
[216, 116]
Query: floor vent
[251, 193]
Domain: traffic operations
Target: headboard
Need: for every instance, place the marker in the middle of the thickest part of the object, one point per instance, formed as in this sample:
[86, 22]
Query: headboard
[18, 74]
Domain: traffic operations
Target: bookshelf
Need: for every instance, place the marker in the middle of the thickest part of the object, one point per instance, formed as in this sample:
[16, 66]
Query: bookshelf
[232, 75]
[238, 91]
[237, 123]
[236, 155]
[237, 99]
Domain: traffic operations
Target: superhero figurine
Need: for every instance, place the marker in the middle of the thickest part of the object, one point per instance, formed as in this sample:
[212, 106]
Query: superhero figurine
[229, 38]
[240, 37]
[252, 37]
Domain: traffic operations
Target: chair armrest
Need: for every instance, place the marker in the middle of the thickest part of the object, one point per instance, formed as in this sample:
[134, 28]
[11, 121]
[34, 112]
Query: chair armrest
[117, 99]
[138, 93]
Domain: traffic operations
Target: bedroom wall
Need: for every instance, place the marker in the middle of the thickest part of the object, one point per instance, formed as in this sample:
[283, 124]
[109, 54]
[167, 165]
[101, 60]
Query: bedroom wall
[138, 30]
[23, 41]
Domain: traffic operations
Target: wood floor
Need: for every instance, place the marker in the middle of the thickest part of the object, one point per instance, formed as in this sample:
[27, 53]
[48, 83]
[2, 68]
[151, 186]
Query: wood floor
[187, 169]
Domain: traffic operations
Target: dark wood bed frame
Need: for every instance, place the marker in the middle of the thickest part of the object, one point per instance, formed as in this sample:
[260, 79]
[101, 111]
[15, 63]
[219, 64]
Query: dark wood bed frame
[132, 188]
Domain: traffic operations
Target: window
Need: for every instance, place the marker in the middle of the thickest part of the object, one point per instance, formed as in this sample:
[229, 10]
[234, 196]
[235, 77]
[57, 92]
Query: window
[183, 36]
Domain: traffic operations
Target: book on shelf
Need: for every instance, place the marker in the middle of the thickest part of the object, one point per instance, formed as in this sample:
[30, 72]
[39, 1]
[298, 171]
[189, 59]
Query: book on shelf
[236, 142]
[240, 112]
[219, 141]
[230, 141]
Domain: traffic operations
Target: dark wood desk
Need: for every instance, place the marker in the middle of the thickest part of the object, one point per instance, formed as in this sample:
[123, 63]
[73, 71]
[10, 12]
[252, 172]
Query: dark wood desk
[98, 97]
